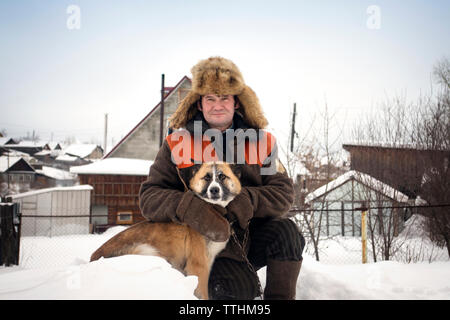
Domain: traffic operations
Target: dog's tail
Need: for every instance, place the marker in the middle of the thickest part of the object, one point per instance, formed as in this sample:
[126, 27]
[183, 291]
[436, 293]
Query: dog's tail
[129, 241]
[116, 246]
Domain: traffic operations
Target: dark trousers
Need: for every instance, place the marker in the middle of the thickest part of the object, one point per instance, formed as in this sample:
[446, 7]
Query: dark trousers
[277, 239]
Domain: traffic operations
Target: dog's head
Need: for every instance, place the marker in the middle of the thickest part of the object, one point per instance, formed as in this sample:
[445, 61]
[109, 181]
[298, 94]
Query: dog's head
[216, 182]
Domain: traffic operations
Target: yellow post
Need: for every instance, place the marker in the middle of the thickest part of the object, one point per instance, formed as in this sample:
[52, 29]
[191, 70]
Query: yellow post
[364, 236]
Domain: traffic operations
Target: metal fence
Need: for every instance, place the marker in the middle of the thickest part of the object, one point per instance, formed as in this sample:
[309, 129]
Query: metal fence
[398, 233]
[60, 240]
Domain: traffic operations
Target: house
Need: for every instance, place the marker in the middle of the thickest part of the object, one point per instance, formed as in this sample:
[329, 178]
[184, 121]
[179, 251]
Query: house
[15, 174]
[116, 183]
[118, 176]
[337, 205]
[29, 147]
[84, 151]
[48, 177]
[402, 167]
[146, 132]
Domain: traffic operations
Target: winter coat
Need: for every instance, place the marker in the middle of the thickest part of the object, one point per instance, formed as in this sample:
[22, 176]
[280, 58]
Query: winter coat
[262, 195]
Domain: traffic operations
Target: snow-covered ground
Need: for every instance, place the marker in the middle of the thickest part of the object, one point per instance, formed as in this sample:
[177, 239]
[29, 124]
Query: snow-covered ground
[59, 268]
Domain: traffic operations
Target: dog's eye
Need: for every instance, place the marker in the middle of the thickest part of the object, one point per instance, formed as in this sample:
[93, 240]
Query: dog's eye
[222, 177]
[207, 177]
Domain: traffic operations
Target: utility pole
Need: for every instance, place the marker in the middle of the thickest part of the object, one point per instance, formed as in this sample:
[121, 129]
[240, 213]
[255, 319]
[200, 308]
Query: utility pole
[294, 115]
[105, 136]
[161, 120]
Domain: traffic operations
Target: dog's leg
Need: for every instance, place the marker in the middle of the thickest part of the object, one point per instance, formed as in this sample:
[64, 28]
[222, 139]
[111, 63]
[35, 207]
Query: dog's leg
[198, 267]
[197, 263]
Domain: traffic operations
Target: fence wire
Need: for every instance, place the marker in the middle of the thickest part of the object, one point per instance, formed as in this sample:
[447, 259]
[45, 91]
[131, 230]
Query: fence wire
[60, 240]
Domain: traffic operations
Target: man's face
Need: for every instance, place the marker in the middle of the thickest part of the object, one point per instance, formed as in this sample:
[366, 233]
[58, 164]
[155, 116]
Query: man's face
[218, 111]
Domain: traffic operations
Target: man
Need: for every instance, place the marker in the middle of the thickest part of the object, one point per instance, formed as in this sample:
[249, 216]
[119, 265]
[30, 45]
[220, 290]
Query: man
[221, 111]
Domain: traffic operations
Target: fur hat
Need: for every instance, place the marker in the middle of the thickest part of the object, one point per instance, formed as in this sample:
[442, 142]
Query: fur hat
[217, 75]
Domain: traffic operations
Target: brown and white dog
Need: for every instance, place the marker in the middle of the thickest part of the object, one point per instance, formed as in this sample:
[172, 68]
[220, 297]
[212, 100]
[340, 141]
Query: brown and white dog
[183, 247]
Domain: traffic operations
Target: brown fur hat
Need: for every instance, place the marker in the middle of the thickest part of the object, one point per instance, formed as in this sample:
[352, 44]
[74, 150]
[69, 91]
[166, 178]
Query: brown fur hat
[217, 75]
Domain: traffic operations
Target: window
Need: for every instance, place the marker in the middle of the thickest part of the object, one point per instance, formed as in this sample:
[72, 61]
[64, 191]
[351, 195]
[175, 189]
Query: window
[124, 217]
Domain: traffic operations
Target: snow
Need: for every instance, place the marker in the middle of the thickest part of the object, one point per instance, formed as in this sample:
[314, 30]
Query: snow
[121, 166]
[67, 158]
[57, 174]
[39, 191]
[59, 268]
[80, 150]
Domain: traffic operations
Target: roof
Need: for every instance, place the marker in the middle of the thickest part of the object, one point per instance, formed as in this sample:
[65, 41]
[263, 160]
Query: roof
[40, 191]
[119, 166]
[7, 162]
[80, 150]
[172, 89]
[363, 178]
[6, 140]
[56, 174]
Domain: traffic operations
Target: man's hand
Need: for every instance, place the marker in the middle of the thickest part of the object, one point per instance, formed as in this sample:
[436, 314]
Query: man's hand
[207, 219]
[241, 209]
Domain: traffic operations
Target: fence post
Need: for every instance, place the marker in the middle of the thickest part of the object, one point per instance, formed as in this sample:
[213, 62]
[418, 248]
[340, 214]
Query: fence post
[364, 235]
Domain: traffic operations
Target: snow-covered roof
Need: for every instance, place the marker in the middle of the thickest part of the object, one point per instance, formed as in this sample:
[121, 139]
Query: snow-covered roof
[7, 162]
[40, 191]
[66, 157]
[57, 174]
[364, 179]
[121, 166]
[80, 150]
[30, 144]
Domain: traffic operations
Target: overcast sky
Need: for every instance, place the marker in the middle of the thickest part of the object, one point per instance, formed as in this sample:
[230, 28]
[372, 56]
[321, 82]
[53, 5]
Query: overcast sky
[60, 72]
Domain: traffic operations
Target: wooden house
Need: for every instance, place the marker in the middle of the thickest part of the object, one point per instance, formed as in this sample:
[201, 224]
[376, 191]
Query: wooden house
[118, 176]
[15, 174]
[116, 183]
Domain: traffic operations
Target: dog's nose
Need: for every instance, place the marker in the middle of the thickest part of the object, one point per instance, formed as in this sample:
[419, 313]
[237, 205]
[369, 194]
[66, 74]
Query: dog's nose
[214, 191]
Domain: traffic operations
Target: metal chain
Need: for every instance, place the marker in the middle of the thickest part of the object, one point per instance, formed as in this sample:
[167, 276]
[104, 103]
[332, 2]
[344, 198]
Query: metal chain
[250, 266]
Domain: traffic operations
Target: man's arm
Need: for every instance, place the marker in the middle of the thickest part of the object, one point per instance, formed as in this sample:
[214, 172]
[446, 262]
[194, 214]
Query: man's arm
[271, 199]
[274, 198]
[161, 193]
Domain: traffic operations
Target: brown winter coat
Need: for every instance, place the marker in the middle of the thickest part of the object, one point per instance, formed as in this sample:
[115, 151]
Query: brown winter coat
[262, 196]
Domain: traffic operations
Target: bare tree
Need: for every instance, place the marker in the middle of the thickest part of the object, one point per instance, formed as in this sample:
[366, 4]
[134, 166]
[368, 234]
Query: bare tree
[434, 134]
[316, 153]
[422, 126]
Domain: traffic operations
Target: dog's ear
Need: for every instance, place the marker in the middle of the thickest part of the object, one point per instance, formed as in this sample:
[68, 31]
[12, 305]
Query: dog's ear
[193, 171]
[188, 173]
[237, 169]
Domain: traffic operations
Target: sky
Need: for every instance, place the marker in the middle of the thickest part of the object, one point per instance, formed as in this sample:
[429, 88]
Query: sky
[64, 64]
